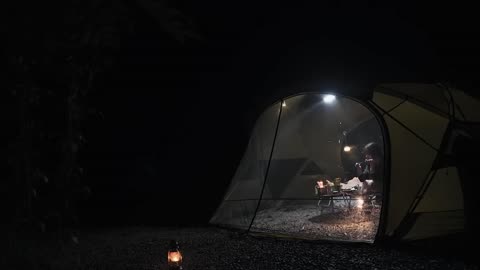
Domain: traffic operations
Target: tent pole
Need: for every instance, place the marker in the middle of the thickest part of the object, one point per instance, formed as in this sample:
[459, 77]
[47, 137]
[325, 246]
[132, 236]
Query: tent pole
[382, 226]
[268, 167]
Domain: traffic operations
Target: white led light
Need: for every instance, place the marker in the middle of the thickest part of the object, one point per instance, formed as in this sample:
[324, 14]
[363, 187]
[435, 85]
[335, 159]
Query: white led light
[328, 98]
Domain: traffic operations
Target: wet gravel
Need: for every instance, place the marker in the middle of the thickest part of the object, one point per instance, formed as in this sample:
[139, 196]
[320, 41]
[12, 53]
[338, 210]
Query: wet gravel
[306, 221]
[208, 248]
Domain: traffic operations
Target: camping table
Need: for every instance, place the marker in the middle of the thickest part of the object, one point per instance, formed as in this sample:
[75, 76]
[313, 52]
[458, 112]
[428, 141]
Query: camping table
[331, 198]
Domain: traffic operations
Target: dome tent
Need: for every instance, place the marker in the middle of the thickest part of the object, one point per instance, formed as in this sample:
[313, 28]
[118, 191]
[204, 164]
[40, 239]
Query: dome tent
[422, 129]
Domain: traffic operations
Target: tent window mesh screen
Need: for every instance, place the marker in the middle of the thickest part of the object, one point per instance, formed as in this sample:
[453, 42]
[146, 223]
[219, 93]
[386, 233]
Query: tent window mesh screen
[309, 146]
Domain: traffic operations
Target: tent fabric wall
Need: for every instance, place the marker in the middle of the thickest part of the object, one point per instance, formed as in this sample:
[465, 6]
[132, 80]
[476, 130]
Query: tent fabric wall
[436, 97]
[411, 158]
[443, 194]
[434, 224]
[469, 107]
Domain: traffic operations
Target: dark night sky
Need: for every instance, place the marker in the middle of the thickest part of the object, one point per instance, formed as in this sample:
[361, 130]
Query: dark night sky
[177, 117]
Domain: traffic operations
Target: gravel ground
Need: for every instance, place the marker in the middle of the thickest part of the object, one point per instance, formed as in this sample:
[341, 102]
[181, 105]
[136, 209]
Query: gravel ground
[205, 248]
[306, 221]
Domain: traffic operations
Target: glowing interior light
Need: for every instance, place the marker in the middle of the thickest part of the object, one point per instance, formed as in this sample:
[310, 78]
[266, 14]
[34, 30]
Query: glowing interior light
[320, 184]
[284, 104]
[347, 148]
[360, 203]
[328, 98]
[174, 256]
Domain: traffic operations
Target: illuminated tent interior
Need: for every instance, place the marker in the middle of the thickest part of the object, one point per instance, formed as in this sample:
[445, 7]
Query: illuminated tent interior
[310, 136]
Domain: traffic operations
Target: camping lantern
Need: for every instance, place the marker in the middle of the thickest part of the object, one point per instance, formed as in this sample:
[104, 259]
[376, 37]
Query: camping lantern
[320, 184]
[174, 256]
[321, 187]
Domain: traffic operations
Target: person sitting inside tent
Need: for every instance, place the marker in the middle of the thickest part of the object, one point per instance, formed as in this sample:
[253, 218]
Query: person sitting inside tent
[370, 172]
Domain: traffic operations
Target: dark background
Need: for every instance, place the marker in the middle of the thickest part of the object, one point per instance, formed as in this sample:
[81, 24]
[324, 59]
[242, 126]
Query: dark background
[175, 115]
